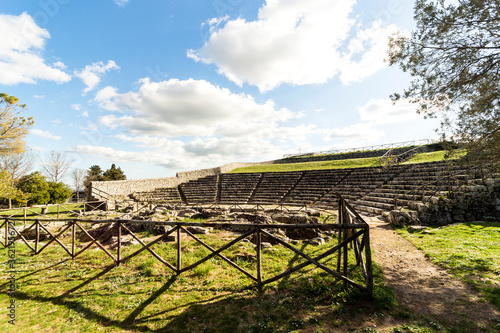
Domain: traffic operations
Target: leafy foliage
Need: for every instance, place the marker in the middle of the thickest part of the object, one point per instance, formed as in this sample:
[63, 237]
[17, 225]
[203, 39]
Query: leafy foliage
[35, 187]
[59, 192]
[7, 189]
[454, 58]
[113, 173]
[13, 127]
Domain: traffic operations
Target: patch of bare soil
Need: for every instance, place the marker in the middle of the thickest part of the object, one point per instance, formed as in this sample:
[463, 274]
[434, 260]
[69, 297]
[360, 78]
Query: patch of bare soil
[423, 287]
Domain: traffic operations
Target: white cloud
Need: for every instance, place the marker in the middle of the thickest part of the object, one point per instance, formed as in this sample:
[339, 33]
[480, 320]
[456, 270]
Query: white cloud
[294, 41]
[190, 108]
[39, 96]
[76, 107]
[371, 46]
[121, 3]
[45, 134]
[85, 114]
[355, 134]
[59, 64]
[383, 111]
[55, 122]
[92, 74]
[21, 52]
[189, 124]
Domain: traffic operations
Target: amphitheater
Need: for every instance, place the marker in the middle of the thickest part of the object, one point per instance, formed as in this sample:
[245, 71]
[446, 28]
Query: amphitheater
[370, 190]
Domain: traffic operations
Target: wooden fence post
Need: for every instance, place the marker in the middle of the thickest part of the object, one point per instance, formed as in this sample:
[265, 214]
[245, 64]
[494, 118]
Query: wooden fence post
[6, 232]
[73, 234]
[119, 251]
[37, 237]
[259, 258]
[179, 263]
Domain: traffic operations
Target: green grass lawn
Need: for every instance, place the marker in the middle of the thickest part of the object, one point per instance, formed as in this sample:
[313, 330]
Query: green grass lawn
[433, 156]
[341, 164]
[470, 251]
[319, 165]
[57, 294]
[51, 211]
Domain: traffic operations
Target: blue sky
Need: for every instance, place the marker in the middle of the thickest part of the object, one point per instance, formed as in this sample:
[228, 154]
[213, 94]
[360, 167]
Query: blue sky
[159, 87]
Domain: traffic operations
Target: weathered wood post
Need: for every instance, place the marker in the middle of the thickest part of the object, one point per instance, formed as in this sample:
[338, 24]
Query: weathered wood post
[6, 232]
[119, 250]
[339, 236]
[259, 259]
[37, 237]
[73, 237]
[179, 263]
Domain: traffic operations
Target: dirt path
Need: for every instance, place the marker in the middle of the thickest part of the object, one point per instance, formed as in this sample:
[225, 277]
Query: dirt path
[423, 287]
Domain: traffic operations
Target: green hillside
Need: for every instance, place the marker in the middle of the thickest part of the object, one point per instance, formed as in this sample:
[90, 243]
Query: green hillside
[340, 164]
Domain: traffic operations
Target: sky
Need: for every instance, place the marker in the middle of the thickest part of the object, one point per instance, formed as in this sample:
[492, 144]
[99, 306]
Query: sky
[158, 87]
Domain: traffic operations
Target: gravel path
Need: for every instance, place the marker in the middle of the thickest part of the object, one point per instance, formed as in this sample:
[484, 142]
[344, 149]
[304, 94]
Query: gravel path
[422, 286]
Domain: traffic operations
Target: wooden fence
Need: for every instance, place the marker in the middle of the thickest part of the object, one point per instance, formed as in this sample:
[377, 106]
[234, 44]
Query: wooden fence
[352, 234]
[61, 211]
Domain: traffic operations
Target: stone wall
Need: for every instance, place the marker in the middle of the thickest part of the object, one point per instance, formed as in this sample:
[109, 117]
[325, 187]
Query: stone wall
[474, 203]
[121, 188]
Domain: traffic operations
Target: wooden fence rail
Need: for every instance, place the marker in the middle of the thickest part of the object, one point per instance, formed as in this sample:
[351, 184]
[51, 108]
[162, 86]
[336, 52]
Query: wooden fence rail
[352, 233]
[61, 210]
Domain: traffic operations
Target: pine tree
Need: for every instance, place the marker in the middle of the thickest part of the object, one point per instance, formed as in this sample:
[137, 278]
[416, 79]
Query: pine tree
[114, 173]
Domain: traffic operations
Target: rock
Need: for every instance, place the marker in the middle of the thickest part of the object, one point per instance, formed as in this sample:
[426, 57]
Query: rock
[209, 213]
[266, 245]
[255, 218]
[295, 219]
[303, 233]
[316, 241]
[417, 228]
[103, 233]
[187, 213]
[197, 230]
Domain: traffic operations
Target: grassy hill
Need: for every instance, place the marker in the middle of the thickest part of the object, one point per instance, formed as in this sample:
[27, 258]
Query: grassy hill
[341, 164]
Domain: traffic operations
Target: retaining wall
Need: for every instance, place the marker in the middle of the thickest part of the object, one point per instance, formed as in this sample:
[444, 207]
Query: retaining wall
[122, 188]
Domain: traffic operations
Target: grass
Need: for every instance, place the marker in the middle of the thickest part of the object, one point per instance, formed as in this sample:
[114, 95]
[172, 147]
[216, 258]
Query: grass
[433, 157]
[340, 164]
[50, 210]
[57, 294]
[319, 165]
[470, 251]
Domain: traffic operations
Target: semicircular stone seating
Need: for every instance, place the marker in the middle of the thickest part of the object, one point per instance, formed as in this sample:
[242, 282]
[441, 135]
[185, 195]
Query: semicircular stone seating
[371, 190]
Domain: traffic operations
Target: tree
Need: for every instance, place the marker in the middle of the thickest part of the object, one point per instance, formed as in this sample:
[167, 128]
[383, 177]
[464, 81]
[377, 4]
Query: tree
[35, 187]
[16, 164]
[7, 189]
[454, 59]
[78, 176]
[59, 192]
[56, 166]
[94, 173]
[114, 173]
[13, 127]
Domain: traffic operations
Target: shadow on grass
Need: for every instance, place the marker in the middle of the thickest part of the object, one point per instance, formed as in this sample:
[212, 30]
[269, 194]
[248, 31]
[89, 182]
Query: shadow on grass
[245, 310]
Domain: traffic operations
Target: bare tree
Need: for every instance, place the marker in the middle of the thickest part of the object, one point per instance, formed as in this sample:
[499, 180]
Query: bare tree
[56, 165]
[17, 165]
[78, 176]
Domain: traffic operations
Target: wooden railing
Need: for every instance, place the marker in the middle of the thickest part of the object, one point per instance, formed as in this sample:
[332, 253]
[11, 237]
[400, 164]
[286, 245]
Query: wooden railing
[48, 211]
[352, 234]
